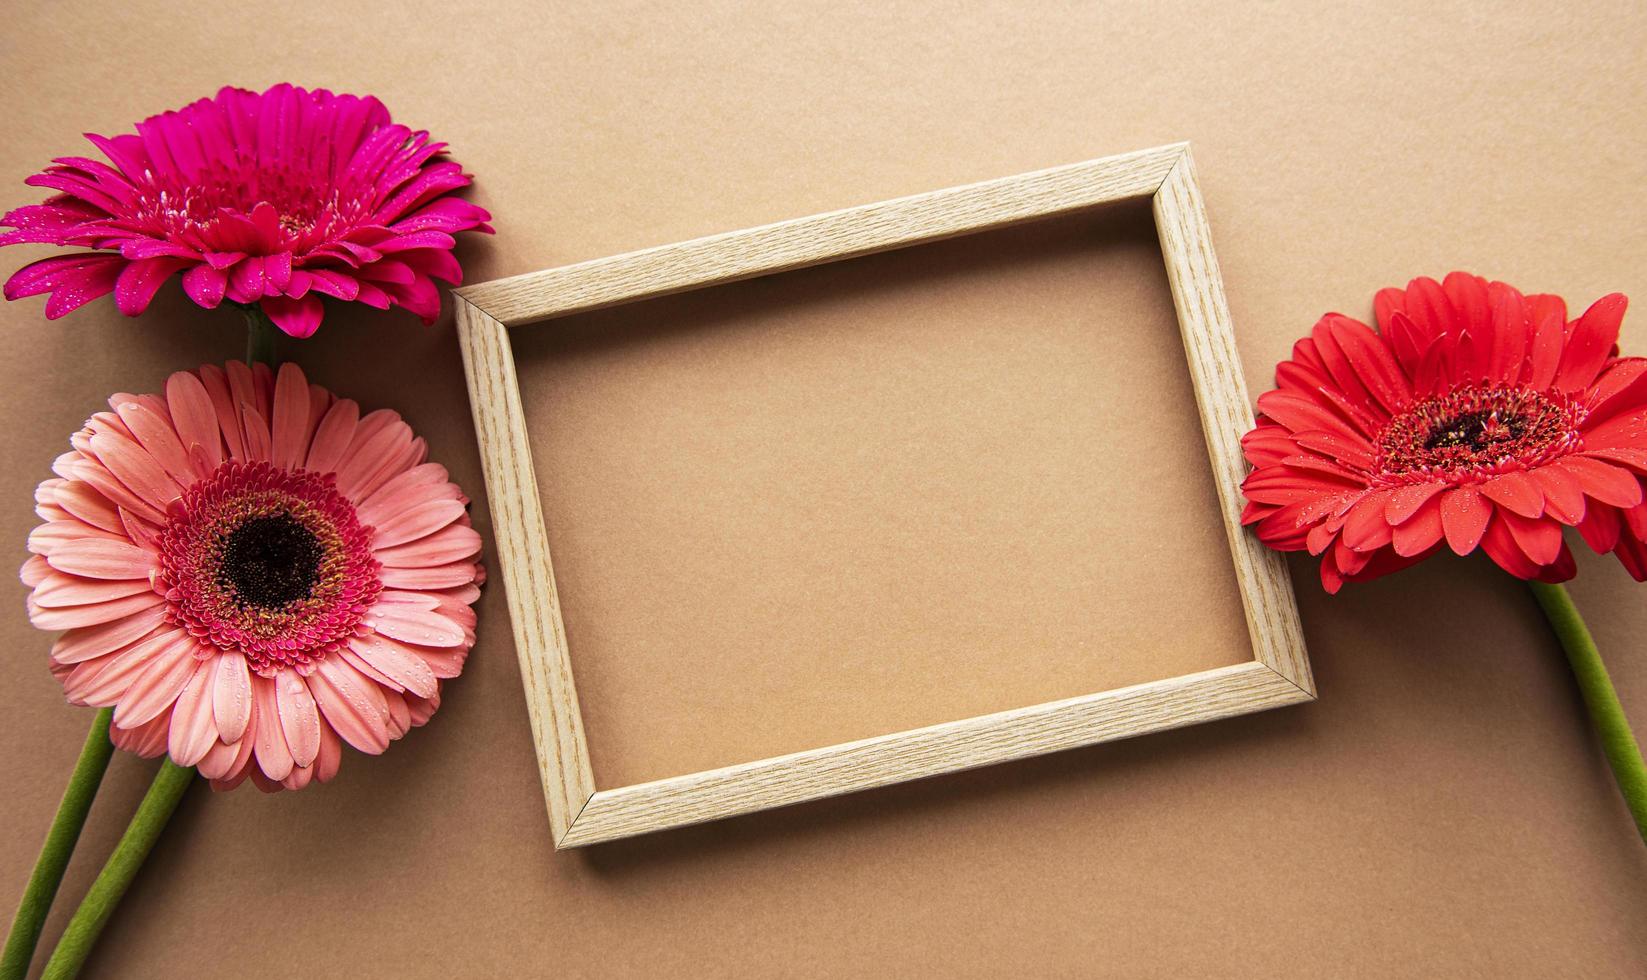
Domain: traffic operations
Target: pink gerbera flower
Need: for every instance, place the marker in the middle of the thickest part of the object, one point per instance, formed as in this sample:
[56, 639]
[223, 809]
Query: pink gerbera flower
[268, 200]
[1475, 417]
[251, 573]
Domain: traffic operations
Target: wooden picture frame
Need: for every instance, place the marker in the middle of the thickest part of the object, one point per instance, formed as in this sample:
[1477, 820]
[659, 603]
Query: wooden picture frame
[580, 814]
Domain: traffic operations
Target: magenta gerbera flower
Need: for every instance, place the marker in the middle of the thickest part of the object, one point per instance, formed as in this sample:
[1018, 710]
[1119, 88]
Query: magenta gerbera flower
[268, 200]
[252, 573]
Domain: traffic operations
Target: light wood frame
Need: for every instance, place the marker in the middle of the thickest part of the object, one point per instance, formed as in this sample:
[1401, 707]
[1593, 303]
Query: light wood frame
[580, 814]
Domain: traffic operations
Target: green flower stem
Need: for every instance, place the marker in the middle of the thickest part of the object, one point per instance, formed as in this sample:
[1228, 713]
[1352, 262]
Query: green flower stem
[1606, 714]
[54, 854]
[164, 794]
[262, 337]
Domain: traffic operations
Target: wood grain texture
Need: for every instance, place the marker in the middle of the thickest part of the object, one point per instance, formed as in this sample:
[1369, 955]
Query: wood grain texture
[1226, 415]
[821, 238]
[949, 747]
[580, 815]
[522, 543]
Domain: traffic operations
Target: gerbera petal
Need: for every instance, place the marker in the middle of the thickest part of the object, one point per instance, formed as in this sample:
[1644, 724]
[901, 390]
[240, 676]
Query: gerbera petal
[1471, 307]
[299, 718]
[92, 642]
[436, 263]
[194, 417]
[159, 438]
[289, 447]
[446, 663]
[1560, 570]
[192, 731]
[1632, 554]
[1601, 528]
[1434, 365]
[216, 382]
[397, 662]
[244, 393]
[146, 740]
[205, 285]
[46, 538]
[330, 757]
[101, 558]
[296, 317]
[1621, 387]
[299, 777]
[1603, 481]
[1511, 331]
[1354, 451]
[332, 438]
[155, 688]
[232, 696]
[1501, 546]
[448, 214]
[34, 571]
[136, 469]
[85, 503]
[367, 457]
[1421, 531]
[1426, 303]
[425, 601]
[406, 489]
[73, 280]
[140, 280]
[1538, 538]
[366, 670]
[1516, 491]
[1589, 342]
[410, 454]
[1635, 521]
[115, 673]
[1464, 517]
[334, 283]
[277, 271]
[1406, 501]
[1373, 362]
[414, 626]
[258, 439]
[1563, 494]
[91, 614]
[274, 757]
[247, 284]
[1406, 340]
[224, 759]
[416, 522]
[452, 543]
[1634, 460]
[462, 573]
[57, 590]
[1548, 338]
[1305, 413]
[352, 705]
[1365, 526]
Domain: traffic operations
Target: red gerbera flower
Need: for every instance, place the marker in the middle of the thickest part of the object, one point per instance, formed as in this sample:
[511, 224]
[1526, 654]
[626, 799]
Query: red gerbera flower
[1474, 416]
[268, 199]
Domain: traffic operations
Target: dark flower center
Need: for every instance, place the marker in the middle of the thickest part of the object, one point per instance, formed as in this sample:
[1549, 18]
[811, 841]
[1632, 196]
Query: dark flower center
[1478, 431]
[1474, 431]
[270, 562]
[273, 563]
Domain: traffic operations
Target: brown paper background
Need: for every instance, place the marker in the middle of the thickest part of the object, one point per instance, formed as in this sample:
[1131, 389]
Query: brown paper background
[877, 495]
[1440, 811]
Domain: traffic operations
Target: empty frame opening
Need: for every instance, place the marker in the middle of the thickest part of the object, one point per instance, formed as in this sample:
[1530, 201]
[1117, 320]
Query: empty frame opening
[875, 495]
